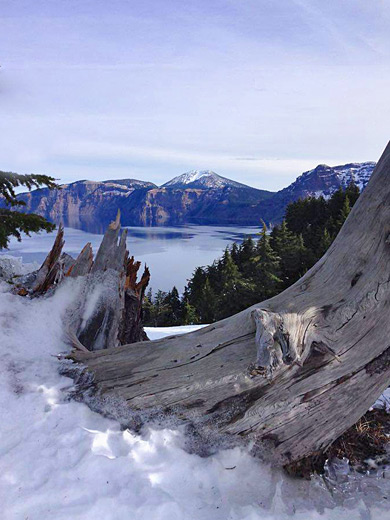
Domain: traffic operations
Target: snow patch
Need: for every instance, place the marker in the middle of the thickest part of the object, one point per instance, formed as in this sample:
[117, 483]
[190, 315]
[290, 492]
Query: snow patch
[331, 178]
[11, 266]
[193, 175]
[163, 332]
[59, 460]
[204, 179]
[383, 403]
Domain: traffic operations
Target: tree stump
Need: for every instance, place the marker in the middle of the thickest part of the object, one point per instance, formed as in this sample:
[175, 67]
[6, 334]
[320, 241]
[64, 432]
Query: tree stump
[108, 311]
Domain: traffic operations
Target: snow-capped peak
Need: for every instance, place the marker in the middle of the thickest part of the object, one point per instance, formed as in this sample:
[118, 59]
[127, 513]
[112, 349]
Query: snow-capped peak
[201, 179]
[324, 180]
[194, 175]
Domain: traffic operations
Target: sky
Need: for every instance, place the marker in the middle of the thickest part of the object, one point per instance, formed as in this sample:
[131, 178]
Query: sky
[256, 90]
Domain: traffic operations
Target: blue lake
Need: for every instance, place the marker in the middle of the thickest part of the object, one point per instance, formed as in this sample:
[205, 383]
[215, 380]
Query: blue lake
[171, 253]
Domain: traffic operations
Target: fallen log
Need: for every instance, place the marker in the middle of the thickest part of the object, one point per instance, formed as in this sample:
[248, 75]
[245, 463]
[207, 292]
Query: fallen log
[293, 372]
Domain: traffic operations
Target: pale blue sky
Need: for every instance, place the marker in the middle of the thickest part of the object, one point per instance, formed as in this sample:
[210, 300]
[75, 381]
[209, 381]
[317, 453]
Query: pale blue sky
[257, 90]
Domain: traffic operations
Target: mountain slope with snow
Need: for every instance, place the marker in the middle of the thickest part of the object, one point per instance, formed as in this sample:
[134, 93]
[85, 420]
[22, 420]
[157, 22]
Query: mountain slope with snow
[202, 179]
[205, 199]
[324, 180]
[196, 197]
[321, 181]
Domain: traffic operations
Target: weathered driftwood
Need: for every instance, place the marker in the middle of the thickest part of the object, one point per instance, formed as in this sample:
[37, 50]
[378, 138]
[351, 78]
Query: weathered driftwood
[293, 372]
[83, 264]
[97, 315]
[50, 271]
[130, 328]
[108, 310]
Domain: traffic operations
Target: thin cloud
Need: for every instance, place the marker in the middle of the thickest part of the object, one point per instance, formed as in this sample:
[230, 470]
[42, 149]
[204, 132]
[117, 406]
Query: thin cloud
[258, 91]
[247, 159]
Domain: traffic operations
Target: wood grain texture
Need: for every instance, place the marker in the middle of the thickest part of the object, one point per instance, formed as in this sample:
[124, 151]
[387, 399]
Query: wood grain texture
[108, 311]
[320, 359]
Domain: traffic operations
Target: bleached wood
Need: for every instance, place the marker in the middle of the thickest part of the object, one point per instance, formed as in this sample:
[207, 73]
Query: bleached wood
[50, 271]
[130, 326]
[108, 309]
[83, 264]
[95, 318]
[320, 359]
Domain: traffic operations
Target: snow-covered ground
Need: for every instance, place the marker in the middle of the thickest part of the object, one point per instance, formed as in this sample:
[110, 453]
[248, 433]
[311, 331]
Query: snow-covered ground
[59, 460]
[162, 332]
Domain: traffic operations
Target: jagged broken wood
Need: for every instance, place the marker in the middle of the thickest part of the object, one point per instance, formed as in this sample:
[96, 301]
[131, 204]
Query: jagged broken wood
[108, 306]
[108, 310]
[51, 270]
[293, 372]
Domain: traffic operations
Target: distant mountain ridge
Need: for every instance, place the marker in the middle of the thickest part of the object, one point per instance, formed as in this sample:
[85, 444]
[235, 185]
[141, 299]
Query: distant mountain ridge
[198, 197]
[322, 181]
[202, 179]
[325, 180]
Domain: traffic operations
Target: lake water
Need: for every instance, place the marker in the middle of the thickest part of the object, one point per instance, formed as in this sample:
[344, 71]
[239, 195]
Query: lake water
[171, 253]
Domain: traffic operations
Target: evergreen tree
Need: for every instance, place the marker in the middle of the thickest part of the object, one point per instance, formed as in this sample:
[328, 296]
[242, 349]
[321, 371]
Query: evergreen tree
[245, 253]
[267, 267]
[12, 222]
[148, 308]
[174, 308]
[195, 286]
[229, 297]
[306, 217]
[207, 304]
[161, 309]
[325, 243]
[214, 273]
[336, 203]
[292, 253]
[189, 315]
[353, 193]
[235, 253]
[344, 212]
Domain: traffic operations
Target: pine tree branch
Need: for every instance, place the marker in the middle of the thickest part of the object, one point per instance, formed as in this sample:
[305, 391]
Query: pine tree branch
[14, 223]
[9, 181]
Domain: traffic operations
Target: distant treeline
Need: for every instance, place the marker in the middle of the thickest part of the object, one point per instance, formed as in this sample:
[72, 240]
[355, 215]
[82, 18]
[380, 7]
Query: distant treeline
[258, 268]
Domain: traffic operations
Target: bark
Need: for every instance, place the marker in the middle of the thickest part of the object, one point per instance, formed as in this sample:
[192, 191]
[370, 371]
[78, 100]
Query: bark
[96, 317]
[131, 329]
[51, 270]
[108, 310]
[83, 264]
[293, 372]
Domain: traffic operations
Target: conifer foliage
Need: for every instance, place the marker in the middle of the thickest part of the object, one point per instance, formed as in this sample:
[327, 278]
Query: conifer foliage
[256, 269]
[12, 222]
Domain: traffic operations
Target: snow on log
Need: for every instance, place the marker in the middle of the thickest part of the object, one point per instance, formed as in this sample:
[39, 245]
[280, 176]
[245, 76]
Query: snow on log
[293, 372]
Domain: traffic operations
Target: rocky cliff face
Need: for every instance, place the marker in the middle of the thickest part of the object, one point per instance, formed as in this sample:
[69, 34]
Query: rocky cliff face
[196, 197]
[82, 203]
[325, 180]
[91, 205]
[322, 181]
